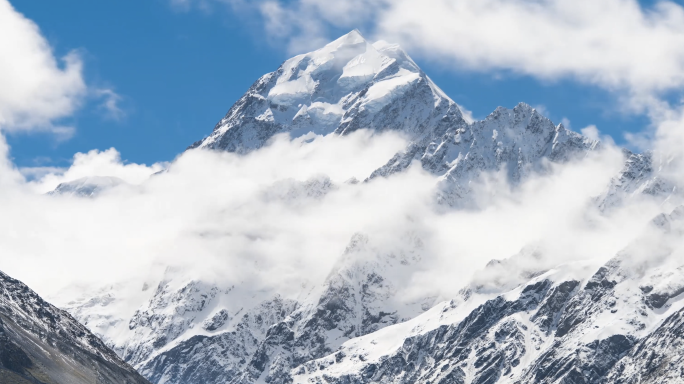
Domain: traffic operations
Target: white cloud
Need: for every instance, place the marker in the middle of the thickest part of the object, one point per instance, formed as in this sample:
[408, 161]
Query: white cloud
[610, 43]
[591, 132]
[37, 89]
[94, 163]
[615, 44]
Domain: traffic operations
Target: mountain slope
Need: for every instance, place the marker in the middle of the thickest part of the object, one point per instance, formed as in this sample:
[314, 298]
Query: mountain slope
[641, 176]
[43, 344]
[193, 332]
[352, 84]
[621, 324]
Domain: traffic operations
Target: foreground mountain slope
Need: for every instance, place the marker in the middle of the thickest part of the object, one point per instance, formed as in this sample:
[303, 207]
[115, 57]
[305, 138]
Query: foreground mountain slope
[43, 344]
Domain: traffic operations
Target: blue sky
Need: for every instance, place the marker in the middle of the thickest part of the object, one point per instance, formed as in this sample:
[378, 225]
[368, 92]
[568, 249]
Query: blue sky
[178, 69]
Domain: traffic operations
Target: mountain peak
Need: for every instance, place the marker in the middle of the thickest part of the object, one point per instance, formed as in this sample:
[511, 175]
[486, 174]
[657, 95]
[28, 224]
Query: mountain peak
[354, 37]
[347, 85]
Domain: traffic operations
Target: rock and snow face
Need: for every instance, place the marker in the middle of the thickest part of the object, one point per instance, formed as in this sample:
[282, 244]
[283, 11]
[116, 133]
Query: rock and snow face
[621, 324]
[359, 297]
[640, 176]
[517, 141]
[352, 84]
[194, 332]
[40, 343]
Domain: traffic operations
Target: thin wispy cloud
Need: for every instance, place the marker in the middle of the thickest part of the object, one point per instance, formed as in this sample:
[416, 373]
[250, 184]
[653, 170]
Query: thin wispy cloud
[110, 103]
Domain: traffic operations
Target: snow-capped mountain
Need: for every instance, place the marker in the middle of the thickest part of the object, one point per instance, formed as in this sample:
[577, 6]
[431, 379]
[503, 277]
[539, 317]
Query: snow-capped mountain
[40, 343]
[619, 322]
[355, 327]
[351, 84]
[347, 85]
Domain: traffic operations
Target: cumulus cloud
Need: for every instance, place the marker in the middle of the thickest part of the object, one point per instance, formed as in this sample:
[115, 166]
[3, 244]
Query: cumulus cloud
[37, 88]
[613, 43]
[110, 103]
[208, 210]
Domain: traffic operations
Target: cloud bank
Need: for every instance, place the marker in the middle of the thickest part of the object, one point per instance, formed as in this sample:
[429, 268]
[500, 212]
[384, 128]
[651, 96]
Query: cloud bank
[279, 219]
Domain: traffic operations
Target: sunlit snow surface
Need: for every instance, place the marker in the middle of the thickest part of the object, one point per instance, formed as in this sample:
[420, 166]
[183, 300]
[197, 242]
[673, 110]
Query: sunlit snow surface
[346, 85]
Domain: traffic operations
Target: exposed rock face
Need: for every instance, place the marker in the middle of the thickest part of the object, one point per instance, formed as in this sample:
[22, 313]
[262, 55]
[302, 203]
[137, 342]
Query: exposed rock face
[43, 344]
[658, 358]
[221, 357]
